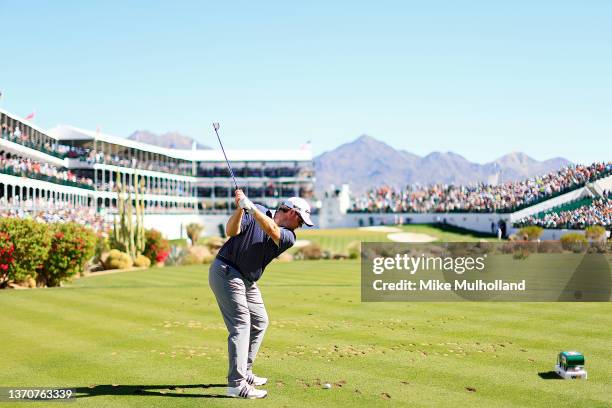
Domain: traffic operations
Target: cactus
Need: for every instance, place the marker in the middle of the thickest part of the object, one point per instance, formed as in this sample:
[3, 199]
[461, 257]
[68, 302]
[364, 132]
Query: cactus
[131, 237]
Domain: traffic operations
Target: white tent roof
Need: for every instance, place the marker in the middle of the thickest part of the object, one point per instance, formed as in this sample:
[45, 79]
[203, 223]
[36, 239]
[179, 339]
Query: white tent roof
[65, 132]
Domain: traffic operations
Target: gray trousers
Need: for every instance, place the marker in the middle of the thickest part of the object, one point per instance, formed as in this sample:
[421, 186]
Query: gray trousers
[245, 317]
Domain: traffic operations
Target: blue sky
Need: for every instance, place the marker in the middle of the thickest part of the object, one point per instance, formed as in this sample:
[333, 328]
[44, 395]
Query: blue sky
[479, 78]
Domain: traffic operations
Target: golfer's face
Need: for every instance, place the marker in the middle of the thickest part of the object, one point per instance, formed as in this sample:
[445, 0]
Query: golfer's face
[298, 219]
[292, 218]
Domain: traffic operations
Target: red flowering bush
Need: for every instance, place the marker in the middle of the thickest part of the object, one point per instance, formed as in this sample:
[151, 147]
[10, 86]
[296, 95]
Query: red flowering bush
[157, 248]
[6, 257]
[31, 242]
[72, 246]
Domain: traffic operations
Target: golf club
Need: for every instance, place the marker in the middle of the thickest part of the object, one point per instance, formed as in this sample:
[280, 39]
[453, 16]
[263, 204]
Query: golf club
[216, 127]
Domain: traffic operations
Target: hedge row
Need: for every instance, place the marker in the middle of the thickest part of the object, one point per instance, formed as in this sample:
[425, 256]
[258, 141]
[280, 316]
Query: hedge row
[46, 253]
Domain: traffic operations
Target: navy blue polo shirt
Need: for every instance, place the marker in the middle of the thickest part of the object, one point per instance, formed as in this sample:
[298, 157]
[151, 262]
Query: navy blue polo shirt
[252, 250]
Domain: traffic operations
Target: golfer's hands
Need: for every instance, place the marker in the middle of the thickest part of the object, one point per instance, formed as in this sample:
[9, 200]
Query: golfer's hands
[238, 195]
[243, 202]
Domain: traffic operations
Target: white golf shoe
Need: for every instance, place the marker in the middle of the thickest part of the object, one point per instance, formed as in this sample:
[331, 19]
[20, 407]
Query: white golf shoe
[246, 391]
[255, 380]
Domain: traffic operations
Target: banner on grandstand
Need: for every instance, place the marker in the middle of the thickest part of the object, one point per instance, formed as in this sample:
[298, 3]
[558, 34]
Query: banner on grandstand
[547, 271]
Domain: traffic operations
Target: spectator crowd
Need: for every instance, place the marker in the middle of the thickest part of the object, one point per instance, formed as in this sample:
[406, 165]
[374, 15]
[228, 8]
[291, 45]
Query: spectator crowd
[599, 212]
[90, 155]
[507, 197]
[20, 166]
[44, 210]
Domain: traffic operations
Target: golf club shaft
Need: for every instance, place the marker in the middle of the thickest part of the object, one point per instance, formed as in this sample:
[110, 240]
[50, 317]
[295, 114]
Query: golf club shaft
[227, 161]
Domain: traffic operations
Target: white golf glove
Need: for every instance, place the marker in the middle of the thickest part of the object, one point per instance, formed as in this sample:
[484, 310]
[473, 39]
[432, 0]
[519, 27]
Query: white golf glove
[247, 205]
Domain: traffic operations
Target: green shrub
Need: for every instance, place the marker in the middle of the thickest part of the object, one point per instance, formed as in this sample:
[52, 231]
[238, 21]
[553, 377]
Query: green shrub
[31, 241]
[72, 245]
[118, 260]
[595, 233]
[114, 244]
[354, 249]
[142, 261]
[6, 258]
[574, 242]
[157, 247]
[531, 233]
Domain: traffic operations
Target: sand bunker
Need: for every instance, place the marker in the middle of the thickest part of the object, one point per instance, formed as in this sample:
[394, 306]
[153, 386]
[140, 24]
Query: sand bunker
[380, 228]
[410, 237]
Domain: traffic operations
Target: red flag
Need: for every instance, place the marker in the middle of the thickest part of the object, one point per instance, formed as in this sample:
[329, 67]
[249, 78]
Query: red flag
[30, 116]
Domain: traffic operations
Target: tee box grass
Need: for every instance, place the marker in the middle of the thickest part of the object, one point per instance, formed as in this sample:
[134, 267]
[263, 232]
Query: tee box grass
[156, 338]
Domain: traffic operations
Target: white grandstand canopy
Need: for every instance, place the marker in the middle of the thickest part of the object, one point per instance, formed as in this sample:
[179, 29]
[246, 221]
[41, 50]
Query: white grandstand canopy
[25, 122]
[66, 132]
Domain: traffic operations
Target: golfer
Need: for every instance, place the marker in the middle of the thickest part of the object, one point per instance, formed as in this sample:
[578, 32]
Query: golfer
[257, 237]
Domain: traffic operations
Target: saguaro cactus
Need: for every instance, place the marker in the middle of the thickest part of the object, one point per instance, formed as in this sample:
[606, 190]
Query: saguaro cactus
[129, 236]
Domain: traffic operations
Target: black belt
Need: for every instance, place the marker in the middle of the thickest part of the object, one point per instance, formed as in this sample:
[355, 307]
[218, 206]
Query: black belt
[233, 265]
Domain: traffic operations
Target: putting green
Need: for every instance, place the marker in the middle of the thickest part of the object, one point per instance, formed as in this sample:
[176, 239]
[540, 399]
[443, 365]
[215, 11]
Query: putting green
[156, 338]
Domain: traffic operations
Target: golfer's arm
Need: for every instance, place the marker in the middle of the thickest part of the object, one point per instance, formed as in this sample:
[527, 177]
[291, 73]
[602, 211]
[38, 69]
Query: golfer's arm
[232, 228]
[268, 225]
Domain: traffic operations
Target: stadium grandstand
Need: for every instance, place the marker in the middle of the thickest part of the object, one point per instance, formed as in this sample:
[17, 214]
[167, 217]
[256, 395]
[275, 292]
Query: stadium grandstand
[571, 198]
[72, 173]
[68, 173]
[578, 214]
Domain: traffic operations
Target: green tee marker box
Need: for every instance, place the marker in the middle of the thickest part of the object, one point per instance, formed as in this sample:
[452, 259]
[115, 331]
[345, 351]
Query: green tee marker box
[570, 365]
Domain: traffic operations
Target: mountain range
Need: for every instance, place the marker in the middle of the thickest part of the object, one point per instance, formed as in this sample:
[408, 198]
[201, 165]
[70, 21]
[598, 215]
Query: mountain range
[367, 162]
[171, 140]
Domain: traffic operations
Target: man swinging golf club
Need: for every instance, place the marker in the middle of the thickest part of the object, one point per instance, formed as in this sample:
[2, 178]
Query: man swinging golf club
[257, 237]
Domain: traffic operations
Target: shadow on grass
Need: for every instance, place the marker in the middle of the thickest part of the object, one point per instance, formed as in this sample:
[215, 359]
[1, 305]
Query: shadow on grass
[549, 375]
[149, 390]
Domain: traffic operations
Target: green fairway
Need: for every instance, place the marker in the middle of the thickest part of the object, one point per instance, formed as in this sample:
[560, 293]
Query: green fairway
[337, 240]
[155, 338]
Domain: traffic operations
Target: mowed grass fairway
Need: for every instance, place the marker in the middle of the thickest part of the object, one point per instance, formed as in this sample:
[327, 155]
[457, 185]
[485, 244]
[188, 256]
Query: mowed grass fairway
[155, 338]
[337, 240]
